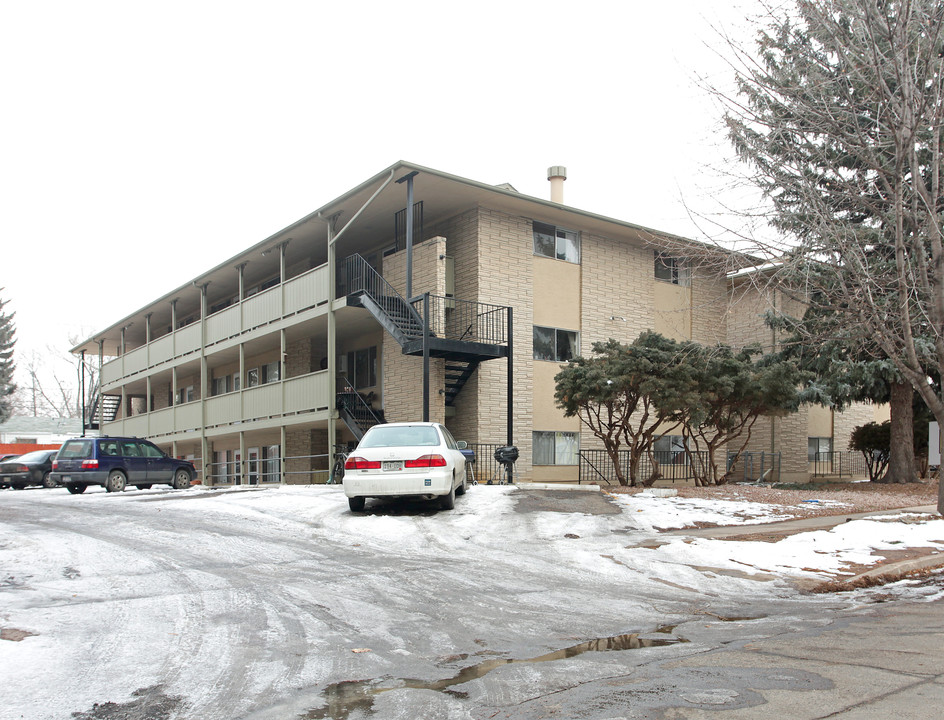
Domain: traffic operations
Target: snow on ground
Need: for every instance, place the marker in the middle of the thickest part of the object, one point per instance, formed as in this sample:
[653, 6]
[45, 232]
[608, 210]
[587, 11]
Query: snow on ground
[489, 522]
[61, 572]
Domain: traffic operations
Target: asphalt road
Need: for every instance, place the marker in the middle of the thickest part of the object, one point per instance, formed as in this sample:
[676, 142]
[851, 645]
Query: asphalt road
[161, 605]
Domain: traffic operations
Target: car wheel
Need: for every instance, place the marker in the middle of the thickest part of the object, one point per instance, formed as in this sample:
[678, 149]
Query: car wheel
[146, 486]
[48, 482]
[76, 488]
[356, 503]
[448, 502]
[116, 481]
[462, 488]
[181, 480]
[18, 486]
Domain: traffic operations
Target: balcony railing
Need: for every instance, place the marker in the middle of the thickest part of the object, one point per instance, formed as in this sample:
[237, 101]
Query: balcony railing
[300, 293]
[465, 320]
[297, 395]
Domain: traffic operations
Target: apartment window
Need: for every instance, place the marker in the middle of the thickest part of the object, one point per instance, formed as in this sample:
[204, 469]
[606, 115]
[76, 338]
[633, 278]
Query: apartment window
[362, 367]
[555, 242]
[252, 377]
[554, 344]
[271, 460]
[672, 269]
[669, 449]
[221, 385]
[818, 446]
[555, 448]
[270, 372]
[185, 395]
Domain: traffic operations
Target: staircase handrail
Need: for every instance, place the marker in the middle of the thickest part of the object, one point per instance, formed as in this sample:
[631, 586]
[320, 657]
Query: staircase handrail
[359, 408]
[361, 277]
[481, 322]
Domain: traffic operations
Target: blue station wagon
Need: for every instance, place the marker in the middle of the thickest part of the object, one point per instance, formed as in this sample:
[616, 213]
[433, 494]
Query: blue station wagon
[117, 462]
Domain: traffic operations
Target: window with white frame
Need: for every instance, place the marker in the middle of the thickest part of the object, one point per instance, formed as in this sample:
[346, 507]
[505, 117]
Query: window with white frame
[270, 372]
[555, 344]
[669, 449]
[817, 448]
[554, 242]
[555, 448]
[185, 395]
[362, 367]
[221, 385]
[669, 268]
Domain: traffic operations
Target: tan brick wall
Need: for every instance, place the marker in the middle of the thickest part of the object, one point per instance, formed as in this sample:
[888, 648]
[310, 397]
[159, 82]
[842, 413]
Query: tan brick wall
[505, 267]
[299, 357]
[850, 418]
[299, 467]
[403, 374]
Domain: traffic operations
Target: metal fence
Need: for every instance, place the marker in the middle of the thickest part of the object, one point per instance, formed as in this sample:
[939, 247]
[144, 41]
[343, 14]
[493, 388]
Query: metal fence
[840, 463]
[465, 320]
[756, 467]
[486, 467]
[249, 472]
[674, 466]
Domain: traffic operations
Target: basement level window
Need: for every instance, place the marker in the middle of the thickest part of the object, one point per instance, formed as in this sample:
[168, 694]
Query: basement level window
[554, 242]
[555, 448]
[669, 268]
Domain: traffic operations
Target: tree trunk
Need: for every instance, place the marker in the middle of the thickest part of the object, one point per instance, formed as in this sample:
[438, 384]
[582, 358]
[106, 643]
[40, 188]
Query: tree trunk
[901, 459]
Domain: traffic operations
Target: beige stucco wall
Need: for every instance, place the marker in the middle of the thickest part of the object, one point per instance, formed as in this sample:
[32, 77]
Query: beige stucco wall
[819, 421]
[672, 314]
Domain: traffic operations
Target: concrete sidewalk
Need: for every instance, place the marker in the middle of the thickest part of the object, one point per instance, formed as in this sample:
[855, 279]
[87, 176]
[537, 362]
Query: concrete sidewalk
[883, 662]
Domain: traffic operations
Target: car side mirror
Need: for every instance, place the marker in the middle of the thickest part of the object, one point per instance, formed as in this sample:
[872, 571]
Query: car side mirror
[462, 444]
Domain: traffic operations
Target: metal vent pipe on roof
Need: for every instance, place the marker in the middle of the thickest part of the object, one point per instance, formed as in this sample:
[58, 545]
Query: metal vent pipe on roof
[557, 174]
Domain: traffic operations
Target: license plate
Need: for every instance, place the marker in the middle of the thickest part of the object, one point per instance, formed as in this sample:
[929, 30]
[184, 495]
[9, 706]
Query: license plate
[6, 479]
[391, 465]
[66, 478]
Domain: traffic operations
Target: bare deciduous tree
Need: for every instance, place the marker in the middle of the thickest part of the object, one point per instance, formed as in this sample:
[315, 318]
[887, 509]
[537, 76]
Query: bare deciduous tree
[838, 115]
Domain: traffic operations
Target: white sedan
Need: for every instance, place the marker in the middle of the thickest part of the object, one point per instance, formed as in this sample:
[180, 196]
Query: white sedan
[419, 460]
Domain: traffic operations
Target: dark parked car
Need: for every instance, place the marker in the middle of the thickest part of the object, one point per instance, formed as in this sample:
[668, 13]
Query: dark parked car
[116, 462]
[33, 468]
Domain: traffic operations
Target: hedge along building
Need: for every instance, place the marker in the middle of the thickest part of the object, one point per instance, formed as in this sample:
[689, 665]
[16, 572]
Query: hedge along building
[260, 367]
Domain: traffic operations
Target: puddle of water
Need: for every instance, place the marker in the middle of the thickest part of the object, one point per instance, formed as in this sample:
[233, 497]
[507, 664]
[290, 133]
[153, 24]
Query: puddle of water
[345, 697]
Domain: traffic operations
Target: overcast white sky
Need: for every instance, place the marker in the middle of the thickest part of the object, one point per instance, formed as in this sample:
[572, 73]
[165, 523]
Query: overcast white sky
[142, 143]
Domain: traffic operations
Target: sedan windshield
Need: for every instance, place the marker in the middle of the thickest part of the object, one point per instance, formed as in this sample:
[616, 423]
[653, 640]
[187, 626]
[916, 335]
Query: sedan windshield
[400, 436]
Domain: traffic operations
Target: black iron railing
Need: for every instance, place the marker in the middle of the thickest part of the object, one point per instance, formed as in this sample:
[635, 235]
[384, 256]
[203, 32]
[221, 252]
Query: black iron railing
[674, 466]
[357, 406]
[361, 277]
[465, 320]
[756, 467]
[840, 463]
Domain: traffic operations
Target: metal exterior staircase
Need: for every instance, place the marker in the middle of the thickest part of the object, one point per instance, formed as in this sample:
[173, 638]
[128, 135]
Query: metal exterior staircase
[463, 333]
[109, 409]
[355, 411]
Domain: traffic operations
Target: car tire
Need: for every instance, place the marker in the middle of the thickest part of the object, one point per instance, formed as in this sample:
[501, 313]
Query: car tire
[181, 480]
[48, 482]
[463, 487]
[116, 481]
[356, 503]
[448, 502]
[145, 486]
[76, 488]
[18, 486]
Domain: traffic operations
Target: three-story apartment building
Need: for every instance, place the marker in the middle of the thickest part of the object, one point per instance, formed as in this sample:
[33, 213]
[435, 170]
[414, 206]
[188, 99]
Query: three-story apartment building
[415, 295]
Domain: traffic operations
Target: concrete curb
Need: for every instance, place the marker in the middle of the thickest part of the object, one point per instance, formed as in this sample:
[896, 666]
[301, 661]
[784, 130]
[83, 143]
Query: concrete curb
[557, 486]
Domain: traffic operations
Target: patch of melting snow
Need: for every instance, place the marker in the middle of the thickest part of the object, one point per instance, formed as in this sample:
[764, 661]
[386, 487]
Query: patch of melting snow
[344, 698]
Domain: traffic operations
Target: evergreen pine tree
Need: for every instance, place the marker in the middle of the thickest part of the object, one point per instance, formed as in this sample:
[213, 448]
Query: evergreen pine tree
[7, 341]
